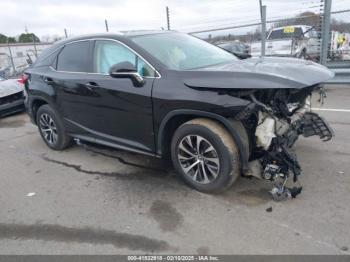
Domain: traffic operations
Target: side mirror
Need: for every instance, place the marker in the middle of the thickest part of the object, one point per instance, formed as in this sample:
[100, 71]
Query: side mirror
[127, 70]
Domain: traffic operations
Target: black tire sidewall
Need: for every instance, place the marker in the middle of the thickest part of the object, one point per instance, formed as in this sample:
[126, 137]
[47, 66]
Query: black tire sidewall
[61, 136]
[227, 160]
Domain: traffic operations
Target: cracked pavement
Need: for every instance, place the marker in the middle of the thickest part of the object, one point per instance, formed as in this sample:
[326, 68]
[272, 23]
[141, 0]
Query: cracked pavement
[91, 200]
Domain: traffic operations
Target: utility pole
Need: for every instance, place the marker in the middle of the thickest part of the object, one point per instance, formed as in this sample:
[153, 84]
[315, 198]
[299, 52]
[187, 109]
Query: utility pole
[11, 58]
[167, 17]
[35, 50]
[326, 27]
[65, 33]
[263, 28]
[106, 24]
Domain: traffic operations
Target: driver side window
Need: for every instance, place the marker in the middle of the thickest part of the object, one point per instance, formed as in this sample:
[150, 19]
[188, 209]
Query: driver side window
[108, 53]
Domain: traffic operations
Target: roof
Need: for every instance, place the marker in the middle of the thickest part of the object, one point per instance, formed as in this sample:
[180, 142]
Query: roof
[144, 32]
[109, 35]
[115, 34]
[125, 34]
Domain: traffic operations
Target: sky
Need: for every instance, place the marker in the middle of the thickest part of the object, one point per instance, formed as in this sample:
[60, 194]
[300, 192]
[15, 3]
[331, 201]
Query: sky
[50, 17]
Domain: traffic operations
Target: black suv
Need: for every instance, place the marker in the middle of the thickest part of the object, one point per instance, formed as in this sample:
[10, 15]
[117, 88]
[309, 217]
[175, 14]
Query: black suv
[164, 93]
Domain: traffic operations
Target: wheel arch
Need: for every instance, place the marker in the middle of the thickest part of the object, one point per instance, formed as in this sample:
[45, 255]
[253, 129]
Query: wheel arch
[35, 104]
[177, 117]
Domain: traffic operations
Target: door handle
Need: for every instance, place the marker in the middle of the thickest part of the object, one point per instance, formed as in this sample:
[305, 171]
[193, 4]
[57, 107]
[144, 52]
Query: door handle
[91, 85]
[48, 80]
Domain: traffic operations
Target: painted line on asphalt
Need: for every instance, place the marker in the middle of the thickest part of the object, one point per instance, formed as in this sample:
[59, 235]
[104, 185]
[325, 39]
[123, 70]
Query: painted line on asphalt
[331, 109]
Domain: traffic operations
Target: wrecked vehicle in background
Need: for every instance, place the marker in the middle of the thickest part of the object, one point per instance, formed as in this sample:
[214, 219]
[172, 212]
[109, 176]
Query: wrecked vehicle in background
[168, 94]
[11, 96]
[237, 48]
[300, 41]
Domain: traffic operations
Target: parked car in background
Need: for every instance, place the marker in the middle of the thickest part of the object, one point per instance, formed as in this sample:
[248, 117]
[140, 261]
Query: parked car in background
[237, 48]
[300, 41]
[169, 94]
[11, 96]
[5, 71]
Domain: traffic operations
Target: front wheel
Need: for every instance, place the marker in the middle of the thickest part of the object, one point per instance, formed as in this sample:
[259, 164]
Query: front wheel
[205, 155]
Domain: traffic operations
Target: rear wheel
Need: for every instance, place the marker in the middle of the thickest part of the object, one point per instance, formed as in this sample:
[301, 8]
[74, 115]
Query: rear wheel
[51, 128]
[205, 155]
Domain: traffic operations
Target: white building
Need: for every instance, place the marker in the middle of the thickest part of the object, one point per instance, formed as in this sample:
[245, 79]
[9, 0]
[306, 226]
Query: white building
[19, 53]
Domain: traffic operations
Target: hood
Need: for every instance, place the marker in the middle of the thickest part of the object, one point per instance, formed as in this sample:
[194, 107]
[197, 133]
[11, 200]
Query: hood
[10, 87]
[259, 73]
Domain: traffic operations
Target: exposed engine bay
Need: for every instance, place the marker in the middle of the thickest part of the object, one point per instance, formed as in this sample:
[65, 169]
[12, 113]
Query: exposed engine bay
[274, 121]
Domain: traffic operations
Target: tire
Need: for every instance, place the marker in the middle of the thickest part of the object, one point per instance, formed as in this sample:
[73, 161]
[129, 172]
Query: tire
[51, 128]
[210, 135]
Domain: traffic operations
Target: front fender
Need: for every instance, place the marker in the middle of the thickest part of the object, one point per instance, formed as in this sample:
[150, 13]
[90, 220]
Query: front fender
[224, 121]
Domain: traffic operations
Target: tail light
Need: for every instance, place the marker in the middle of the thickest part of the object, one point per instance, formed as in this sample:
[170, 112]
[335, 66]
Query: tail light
[23, 79]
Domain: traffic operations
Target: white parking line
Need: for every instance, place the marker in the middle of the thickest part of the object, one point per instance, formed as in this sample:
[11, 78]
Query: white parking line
[331, 109]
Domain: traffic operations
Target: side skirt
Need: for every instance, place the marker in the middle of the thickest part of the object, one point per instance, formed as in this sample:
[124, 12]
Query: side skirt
[110, 144]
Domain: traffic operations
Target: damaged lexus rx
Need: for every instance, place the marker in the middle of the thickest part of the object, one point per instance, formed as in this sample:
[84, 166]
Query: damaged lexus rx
[169, 94]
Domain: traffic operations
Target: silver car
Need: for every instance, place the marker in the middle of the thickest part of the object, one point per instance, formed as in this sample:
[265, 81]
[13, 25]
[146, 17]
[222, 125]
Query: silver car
[11, 96]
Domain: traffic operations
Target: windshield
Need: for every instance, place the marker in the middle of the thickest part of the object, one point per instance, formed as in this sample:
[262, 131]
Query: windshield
[233, 47]
[180, 51]
[285, 33]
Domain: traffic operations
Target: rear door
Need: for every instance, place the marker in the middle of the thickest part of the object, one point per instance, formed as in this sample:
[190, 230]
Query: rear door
[69, 75]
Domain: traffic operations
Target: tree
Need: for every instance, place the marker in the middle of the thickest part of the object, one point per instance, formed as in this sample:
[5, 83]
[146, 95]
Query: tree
[340, 26]
[11, 39]
[313, 19]
[28, 38]
[305, 18]
[3, 39]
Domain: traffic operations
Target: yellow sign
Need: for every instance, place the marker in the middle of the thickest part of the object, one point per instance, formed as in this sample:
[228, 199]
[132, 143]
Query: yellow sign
[288, 29]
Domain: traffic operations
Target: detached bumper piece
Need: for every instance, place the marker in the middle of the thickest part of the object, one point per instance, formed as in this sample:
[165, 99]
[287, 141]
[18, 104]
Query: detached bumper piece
[281, 162]
[315, 125]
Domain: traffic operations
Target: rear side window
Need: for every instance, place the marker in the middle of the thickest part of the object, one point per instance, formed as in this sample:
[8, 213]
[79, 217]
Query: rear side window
[75, 57]
[47, 60]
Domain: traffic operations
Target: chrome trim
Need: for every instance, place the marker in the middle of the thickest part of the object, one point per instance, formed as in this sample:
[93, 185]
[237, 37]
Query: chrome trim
[136, 74]
[113, 40]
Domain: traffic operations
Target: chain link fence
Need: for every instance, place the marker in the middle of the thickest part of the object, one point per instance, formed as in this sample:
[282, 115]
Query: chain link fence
[16, 57]
[293, 33]
[293, 29]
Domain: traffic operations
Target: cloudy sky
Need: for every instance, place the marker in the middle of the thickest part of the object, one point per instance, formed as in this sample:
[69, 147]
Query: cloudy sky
[50, 17]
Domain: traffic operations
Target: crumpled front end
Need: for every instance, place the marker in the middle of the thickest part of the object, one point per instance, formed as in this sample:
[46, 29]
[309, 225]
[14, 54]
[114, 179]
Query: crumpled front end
[280, 117]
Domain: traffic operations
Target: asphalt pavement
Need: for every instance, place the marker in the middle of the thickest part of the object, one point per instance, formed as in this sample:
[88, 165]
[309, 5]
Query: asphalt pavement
[91, 200]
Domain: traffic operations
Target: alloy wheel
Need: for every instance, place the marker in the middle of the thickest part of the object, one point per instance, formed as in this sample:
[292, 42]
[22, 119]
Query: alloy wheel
[48, 128]
[198, 159]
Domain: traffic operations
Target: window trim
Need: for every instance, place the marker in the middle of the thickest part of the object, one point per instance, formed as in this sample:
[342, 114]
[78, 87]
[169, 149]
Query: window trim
[113, 40]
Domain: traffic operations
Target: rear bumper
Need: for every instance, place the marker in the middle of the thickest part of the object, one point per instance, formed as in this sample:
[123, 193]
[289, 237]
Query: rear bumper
[29, 109]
